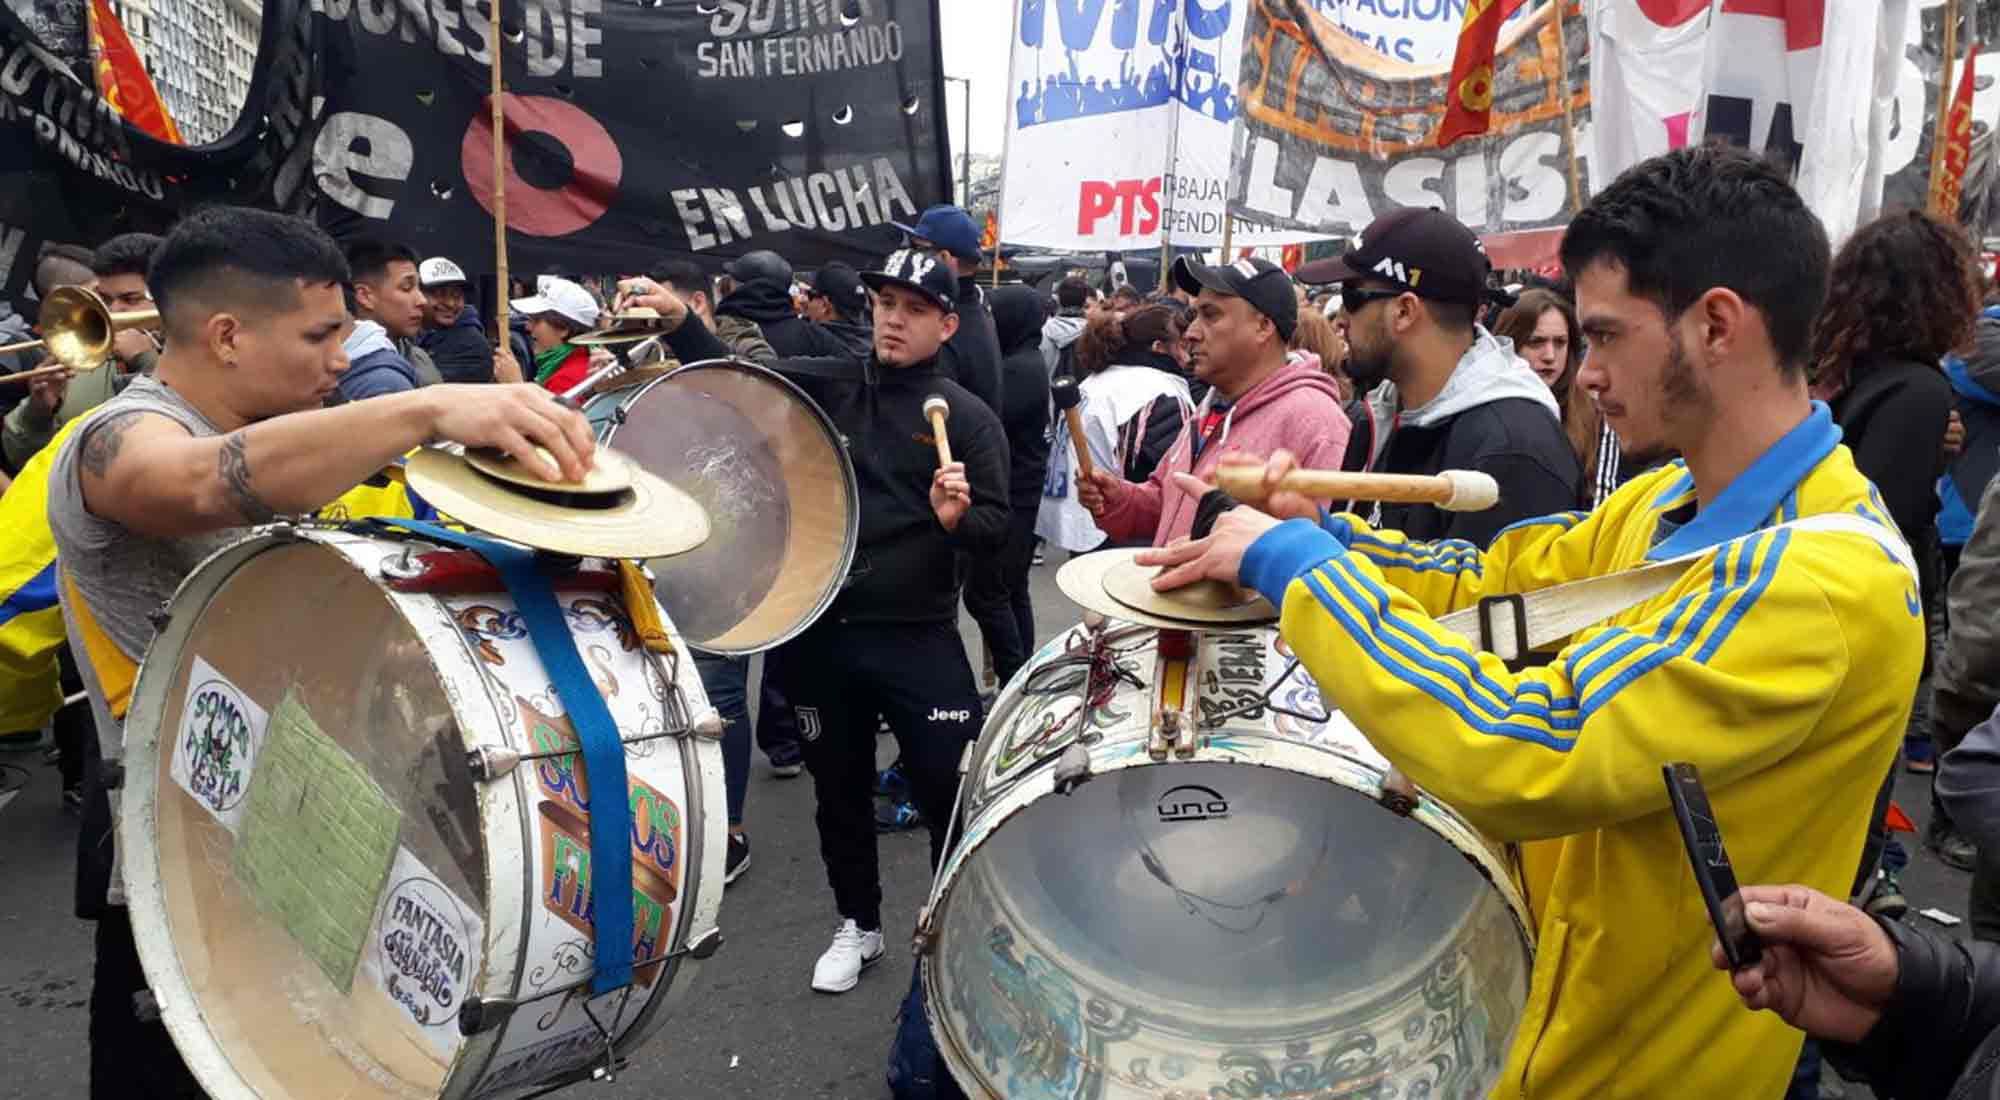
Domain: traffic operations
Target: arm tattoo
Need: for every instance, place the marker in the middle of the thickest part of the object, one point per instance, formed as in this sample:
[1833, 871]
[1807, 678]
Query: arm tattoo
[234, 466]
[101, 446]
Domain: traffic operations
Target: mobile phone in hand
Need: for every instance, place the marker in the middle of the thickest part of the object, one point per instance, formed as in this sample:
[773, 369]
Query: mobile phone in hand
[1712, 873]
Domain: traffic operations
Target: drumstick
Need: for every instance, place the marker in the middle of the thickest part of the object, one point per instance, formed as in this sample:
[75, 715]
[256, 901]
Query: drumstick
[1451, 490]
[937, 410]
[1067, 397]
[38, 372]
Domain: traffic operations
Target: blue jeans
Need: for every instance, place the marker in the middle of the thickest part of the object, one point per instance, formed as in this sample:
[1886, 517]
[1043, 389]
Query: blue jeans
[725, 680]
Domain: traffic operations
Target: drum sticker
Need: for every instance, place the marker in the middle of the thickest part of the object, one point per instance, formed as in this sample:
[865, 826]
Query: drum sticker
[1235, 677]
[215, 750]
[1192, 802]
[424, 950]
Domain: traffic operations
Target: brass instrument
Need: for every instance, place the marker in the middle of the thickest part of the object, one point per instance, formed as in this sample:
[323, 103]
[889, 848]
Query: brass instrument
[78, 328]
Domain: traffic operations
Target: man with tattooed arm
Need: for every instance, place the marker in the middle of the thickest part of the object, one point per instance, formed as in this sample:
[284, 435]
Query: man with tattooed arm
[229, 431]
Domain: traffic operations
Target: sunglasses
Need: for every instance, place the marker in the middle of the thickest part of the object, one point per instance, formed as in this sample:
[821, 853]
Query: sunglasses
[1354, 299]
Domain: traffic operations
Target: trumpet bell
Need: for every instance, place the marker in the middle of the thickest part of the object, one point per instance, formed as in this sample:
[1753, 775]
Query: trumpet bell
[78, 326]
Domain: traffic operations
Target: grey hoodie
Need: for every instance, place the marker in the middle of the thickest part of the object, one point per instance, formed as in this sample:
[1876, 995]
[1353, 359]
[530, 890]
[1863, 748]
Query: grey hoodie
[1059, 332]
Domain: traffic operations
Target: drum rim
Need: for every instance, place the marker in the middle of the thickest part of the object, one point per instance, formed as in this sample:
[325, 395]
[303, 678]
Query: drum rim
[503, 815]
[851, 535]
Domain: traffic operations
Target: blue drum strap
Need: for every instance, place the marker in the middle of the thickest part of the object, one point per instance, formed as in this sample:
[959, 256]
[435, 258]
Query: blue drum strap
[610, 804]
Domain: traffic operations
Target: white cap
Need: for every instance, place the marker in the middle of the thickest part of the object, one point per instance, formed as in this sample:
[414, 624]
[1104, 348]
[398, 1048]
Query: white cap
[437, 271]
[560, 297]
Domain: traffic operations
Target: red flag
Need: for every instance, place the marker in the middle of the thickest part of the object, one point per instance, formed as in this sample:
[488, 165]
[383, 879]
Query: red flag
[1957, 137]
[121, 76]
[1292, 257]
[1469, 96]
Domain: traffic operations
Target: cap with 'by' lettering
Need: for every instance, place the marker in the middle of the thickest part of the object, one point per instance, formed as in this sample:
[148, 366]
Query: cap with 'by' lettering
[1426, 252]
[919, 270]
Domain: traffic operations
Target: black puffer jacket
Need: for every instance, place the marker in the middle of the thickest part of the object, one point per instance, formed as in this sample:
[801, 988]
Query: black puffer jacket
[905, 570]
[1024, 384]
[769, 306]
[1939, 1038]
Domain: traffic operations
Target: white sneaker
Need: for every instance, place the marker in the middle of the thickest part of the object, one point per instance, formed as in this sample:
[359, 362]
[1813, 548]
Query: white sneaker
[839, 969]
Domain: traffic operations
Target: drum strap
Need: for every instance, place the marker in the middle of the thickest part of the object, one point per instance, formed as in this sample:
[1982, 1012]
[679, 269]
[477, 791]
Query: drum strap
[1509, 626]
[116, 672]
[603, 751]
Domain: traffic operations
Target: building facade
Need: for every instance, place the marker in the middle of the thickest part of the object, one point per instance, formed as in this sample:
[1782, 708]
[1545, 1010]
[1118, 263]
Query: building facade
[200, 54]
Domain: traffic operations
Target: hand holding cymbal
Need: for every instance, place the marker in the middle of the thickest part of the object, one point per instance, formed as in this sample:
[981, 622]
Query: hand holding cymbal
[937, 410]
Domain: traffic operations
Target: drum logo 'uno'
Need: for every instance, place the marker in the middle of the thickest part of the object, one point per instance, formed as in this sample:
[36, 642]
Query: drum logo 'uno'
[1193, 802]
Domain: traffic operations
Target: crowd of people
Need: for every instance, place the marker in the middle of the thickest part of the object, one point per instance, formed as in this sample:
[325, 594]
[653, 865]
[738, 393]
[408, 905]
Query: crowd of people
[1711, 378]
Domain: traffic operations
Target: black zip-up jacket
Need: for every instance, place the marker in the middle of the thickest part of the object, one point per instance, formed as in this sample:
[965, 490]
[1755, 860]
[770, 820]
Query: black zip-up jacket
[1893, 417]
[1017, 319]
[859, 339]
[905, 570]
[769, 307]
[1514, 439]
[972, 355]
[1939, 1037]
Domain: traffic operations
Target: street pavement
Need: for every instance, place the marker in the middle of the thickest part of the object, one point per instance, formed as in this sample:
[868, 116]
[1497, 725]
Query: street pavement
[749, 1026]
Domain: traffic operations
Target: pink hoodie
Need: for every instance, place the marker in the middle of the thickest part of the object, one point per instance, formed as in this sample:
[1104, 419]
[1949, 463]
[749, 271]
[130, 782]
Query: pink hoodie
[1297, 410]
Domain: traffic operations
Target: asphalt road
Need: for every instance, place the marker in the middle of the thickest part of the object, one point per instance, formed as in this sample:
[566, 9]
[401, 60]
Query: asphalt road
[749, 1028]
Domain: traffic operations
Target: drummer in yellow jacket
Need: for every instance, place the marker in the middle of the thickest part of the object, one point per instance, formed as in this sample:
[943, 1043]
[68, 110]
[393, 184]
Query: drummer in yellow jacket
[1782, 663]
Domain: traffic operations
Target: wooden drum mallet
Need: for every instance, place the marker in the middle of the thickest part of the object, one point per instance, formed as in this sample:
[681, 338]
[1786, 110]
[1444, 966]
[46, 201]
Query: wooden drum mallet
[937, 410]
[1451, 490]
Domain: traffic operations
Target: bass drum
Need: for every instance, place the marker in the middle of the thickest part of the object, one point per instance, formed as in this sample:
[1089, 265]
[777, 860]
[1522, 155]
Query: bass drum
[1243, 918]
[773, 474]
[321, 878]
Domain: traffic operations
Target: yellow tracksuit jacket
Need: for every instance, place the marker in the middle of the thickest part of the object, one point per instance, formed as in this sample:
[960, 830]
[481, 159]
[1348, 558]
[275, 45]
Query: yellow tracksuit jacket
[1783, 667]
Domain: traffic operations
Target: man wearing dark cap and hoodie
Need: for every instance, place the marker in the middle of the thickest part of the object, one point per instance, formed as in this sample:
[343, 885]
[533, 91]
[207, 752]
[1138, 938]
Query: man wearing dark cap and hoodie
[1460, 398]
[996, 587]
[972, 355]
[758, 289]
[838, 303]
[889, 645]
[1259, 402]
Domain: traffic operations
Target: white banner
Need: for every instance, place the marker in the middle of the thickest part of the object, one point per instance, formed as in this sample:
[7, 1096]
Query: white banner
[1119, 122]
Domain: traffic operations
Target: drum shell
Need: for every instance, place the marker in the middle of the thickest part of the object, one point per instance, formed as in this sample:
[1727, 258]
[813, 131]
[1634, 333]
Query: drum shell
[546, 1039]
[1136, 1047]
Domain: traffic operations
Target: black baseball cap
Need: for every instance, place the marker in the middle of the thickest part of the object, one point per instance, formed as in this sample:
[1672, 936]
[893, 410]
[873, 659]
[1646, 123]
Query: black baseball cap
[1426, 252]
[763, 265]
[841, 285]
[1255, 280]
[919, 270]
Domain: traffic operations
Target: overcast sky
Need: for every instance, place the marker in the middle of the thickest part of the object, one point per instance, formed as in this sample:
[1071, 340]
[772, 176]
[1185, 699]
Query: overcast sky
[977, 39]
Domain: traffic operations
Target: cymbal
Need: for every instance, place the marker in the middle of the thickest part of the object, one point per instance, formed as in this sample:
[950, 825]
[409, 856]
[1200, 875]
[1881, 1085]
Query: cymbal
[646, 518]
[630, 327]
[1112, 584]
[603, 477]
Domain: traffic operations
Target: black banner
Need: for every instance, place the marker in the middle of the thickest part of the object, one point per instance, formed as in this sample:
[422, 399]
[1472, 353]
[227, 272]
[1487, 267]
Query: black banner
[702, 128]
[72, 170]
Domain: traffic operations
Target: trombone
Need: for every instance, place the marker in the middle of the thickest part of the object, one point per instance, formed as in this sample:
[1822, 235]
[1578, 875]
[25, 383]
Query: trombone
[78, 328]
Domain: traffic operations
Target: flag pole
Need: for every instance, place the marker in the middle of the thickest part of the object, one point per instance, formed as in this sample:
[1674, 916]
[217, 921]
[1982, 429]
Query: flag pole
[1558, 10]
[502, 284]
[1939, 136]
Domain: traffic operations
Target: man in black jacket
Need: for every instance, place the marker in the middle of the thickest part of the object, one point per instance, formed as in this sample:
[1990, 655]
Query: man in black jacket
[996, 587]
[972, 355]
[1462, 399]
[838, 303]
[1914, 1014]
[889, 645]
[761, 292]
[452, 336]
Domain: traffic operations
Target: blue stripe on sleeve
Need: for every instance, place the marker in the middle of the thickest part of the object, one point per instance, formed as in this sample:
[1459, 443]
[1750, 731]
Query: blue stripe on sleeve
[39, 594]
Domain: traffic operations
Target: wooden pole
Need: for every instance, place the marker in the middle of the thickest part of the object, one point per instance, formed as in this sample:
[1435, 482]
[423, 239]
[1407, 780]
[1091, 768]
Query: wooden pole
[503, 284]
[1939, 136]
[1228, 235]
[1568, 101]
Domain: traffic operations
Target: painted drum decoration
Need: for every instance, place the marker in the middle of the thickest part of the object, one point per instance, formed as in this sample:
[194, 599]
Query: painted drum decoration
[334, 888]
[1234, 895]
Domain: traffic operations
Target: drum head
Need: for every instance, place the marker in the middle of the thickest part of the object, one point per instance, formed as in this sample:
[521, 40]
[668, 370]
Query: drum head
[779, 489]
[1212, 929]
[269, 890]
